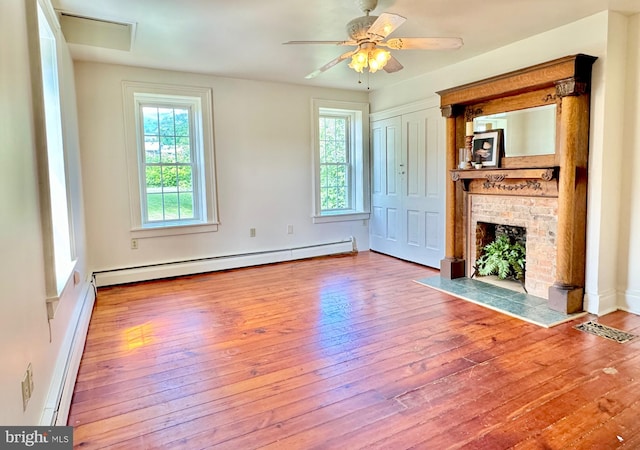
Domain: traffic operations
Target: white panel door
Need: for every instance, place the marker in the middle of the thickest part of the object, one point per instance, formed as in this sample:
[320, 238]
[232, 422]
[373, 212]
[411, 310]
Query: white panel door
[386, 201]
[408, 187]
[423, 188]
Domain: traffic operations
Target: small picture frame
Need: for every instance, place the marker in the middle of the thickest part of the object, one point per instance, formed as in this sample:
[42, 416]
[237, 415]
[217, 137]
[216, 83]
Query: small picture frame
[487, 148]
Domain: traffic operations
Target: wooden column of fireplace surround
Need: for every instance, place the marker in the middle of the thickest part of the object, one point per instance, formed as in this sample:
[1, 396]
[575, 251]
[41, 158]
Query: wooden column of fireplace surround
[565, 82]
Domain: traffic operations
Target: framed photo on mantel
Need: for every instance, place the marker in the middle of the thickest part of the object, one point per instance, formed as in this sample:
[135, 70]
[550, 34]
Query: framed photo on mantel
[487, 148]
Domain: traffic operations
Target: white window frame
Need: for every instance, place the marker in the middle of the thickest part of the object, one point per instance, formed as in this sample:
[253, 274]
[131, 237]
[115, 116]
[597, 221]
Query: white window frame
[199, 101]
[358, 114]
[59, 250]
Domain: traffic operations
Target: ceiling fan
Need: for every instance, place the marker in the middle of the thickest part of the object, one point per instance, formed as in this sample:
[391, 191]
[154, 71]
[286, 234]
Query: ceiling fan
[368, 33]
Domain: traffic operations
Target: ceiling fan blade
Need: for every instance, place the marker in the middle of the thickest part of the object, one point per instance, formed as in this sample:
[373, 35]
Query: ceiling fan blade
[384, 25]
[321, 42]
[393, 65]
[432, 43]
[331, 63]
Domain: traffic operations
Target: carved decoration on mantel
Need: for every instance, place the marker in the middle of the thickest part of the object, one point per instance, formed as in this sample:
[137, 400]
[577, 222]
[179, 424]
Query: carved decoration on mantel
[530, 178]
[570, 86]
[549, 98]
[528, 184]
[470, 113]
[498, 175]
[548, 174]
[449, 111]
[495, 178]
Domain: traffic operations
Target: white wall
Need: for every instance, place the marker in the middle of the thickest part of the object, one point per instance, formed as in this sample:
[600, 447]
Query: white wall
[25, 336]
[629, 239]
[603, 35]
[263, 161]
[605, 164]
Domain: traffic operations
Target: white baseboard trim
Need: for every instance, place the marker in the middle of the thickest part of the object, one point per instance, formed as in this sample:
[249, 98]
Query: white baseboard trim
[179, 268]
[631, 302]
[601, 303]
[58, 402]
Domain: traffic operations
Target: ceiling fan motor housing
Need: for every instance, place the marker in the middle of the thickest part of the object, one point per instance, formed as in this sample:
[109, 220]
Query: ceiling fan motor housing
[367, 6]
[357, 28]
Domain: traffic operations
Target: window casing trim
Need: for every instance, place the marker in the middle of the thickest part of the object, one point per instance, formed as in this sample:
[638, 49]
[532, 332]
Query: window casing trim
[359, 157]
[134, 95]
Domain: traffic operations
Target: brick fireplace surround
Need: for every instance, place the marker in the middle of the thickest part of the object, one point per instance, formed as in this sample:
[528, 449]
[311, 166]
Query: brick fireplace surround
[538, 215]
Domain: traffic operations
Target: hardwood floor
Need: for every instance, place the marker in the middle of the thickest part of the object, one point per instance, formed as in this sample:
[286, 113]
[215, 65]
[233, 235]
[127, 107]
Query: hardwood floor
[343, 352]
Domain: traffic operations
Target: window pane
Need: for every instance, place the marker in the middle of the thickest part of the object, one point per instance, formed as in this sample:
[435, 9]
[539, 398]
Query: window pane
[183, 150]
[324, 176]
[330, 149]
[154, 207]
[186, 205]
[166, 122]
[334, 186]
[168, 150]
[324, 198]
[169, 179]
[331, 175]
[341, 176]
[151, 149]
[341, 198]
[340, 153]
[181, 122]
[185, 179]
[171, 206]
[150, 120]
[153, 178]
[341, 129]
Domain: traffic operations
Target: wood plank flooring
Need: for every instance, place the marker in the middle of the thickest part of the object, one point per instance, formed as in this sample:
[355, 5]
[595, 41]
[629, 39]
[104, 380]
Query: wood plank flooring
[343, 353]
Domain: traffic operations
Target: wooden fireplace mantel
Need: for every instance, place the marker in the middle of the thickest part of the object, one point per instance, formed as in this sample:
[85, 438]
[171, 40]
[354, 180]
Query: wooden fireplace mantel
[567, 83]
[537, 182]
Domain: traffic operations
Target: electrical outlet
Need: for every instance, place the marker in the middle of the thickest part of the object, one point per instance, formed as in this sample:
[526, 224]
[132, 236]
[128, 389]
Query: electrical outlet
[134, 244]
[289, 229]
[26, 393]
[252, 232]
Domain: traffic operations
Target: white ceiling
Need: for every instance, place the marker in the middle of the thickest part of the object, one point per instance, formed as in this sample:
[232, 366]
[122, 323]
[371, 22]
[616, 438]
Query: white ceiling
[243, 38]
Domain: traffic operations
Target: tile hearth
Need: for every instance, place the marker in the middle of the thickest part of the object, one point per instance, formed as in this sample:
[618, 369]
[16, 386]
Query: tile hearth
[522, 306]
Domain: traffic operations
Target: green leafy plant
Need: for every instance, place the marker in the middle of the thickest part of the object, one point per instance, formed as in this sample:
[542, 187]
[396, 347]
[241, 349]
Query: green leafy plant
[502, 258]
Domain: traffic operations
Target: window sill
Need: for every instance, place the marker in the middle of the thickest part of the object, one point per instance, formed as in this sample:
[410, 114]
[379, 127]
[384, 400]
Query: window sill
[343, 217]
[174, 230]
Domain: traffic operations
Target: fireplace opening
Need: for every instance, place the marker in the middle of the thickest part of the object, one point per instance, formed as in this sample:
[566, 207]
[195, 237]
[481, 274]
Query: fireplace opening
[501, 255]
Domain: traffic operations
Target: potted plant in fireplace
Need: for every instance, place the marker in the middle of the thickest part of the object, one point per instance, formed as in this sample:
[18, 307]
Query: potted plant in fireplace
[503, 257]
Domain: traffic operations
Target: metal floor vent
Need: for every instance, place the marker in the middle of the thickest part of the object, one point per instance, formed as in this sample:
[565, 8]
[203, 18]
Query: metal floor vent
[605, 331]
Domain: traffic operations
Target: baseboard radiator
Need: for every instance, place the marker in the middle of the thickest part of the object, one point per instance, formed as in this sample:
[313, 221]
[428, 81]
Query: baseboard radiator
[212, 264]
[58, 399]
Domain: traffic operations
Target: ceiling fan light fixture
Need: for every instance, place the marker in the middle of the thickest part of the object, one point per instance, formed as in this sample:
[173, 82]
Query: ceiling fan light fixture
[360, 60]
[374, 59]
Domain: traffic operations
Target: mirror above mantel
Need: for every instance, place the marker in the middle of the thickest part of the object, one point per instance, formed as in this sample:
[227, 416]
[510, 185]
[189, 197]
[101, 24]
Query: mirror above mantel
[527, 132]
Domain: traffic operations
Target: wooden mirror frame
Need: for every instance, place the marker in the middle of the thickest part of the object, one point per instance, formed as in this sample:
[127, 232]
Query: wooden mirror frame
[567, 82]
